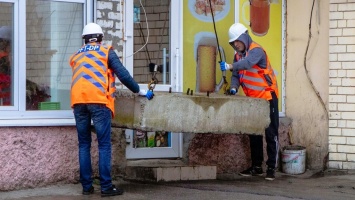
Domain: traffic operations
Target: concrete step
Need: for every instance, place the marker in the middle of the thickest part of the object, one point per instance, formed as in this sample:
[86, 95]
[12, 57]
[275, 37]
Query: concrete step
[165, 171]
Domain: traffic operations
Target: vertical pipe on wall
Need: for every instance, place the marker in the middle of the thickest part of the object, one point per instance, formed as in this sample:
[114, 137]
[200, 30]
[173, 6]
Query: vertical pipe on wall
[164, 66]
[177, 57]
[121, 17]
[283, 59]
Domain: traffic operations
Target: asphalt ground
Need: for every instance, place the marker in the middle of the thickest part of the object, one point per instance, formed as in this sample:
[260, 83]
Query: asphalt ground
[328, 185]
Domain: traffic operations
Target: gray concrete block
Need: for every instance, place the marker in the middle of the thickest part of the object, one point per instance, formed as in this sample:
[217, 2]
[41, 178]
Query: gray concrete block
[177, 112]
[207, 172]
[189, 173]
[168, 174]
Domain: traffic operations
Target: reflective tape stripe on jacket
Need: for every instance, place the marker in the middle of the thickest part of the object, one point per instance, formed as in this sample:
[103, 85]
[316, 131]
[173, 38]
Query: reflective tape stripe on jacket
[91, 79]
[256, 81]
[112, 91]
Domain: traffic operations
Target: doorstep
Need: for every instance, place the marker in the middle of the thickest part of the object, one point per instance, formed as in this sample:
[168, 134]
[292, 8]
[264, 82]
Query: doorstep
[165, 171]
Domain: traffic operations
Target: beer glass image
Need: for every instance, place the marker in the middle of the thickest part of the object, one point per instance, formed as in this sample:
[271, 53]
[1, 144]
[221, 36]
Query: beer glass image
[206, 68]
[206, 51]
[259, 16]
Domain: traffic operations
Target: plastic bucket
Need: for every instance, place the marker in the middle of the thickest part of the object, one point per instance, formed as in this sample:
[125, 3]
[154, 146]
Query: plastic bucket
[293, 159]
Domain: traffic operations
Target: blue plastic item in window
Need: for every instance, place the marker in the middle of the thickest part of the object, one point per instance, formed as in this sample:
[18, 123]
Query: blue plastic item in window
[136, 14]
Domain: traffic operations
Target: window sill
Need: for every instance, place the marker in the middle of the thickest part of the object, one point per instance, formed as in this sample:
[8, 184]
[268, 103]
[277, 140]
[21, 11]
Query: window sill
[36, 122]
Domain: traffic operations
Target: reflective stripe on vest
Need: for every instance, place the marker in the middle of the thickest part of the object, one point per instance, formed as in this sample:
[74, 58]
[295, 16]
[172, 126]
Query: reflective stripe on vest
[112, 92]
[90, 80]
[258, 82]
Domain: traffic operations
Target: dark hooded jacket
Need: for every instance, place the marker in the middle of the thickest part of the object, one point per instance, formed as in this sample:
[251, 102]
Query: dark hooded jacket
[256, 56]
[121, 72]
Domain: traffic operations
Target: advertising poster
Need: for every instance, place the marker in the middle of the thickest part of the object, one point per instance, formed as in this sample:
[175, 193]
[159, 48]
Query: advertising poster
[263, 18]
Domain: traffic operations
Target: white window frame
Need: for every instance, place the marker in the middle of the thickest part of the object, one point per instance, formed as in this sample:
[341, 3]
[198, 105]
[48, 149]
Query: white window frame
[176, 79]
[176, 46]
[17, 115]
[15, 56]
[173, 151]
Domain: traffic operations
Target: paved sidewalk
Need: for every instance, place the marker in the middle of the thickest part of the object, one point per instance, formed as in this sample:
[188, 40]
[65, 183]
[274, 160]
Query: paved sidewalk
[324, 186]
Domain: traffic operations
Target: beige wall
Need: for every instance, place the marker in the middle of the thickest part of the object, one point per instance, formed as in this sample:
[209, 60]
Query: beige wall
[303, 106]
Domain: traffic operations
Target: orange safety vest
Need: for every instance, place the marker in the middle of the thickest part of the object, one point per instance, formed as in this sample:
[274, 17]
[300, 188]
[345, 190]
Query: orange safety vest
[92, 80]
[256, 81]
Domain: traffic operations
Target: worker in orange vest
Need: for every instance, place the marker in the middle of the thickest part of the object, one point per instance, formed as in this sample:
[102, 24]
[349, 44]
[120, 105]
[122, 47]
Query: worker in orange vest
[92, 98]
[252, 71]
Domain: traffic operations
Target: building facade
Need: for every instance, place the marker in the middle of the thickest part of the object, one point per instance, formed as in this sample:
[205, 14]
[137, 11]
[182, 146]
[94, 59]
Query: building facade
[37, 133]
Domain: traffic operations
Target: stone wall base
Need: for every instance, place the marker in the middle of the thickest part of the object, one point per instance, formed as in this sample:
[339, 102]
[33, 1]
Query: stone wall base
[230, 152]
[40, 156]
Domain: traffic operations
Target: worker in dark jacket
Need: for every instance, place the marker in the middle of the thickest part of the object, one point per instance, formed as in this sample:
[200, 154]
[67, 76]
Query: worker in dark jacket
[252, 71]
[92, 98]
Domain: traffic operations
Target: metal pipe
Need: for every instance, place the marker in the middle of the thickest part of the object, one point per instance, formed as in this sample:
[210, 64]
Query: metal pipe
[164, 65]
[177, 57]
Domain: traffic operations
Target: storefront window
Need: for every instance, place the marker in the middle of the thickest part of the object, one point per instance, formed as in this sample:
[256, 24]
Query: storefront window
[143, 139]
[53, 33]
[152, 61]
[6, 52]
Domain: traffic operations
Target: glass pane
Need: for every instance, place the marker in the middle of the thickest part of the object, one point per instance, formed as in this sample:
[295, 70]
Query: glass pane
[6, 52]
[53, 34]
[144, 139]
[156, 51]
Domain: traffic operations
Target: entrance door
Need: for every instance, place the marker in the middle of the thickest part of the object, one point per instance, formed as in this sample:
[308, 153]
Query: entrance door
[152, 54]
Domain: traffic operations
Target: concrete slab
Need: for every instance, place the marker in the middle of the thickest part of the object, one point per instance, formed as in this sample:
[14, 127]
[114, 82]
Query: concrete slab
[162, 170]
[198, 113]
[155, 163]
[170, 173]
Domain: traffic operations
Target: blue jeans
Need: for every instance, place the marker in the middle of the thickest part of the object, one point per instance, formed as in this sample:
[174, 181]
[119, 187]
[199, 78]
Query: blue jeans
[101, 117]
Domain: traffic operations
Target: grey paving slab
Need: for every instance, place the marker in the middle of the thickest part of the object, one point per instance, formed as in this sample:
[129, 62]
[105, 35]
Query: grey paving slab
[311, 186]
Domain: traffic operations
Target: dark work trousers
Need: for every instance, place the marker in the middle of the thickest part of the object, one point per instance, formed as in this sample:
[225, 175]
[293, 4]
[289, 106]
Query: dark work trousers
[271, 137]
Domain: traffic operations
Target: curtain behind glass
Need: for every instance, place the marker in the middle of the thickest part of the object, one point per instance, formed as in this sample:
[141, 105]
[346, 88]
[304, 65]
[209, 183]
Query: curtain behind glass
[6, 52]
[53, 33]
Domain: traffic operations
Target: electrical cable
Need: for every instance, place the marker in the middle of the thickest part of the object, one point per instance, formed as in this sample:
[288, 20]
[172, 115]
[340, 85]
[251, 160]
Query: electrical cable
[162, 32]
[305, 63]
[219, 51]
[215, 31]
[141, 34]
[146, 21]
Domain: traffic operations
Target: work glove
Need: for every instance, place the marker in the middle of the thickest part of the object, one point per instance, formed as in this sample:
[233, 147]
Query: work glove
[233, 91]
[149, 94]
[224, 66]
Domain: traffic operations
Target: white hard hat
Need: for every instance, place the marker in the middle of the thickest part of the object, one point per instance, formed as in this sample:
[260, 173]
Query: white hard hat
[235, 31]
[5, 33]
[92, 28]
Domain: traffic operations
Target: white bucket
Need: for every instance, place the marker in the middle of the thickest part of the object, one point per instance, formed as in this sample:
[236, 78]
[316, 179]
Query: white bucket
[293, 159]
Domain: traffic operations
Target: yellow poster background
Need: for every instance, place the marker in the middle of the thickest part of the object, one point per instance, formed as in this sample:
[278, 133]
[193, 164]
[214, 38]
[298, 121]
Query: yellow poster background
[195, 25]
